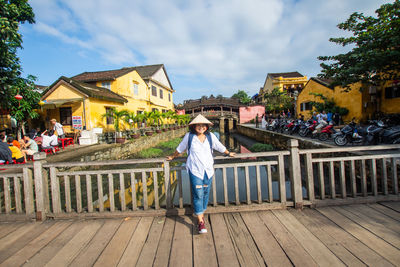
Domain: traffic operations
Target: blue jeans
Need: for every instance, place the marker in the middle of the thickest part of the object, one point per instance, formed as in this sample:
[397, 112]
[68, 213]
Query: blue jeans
[200, 192]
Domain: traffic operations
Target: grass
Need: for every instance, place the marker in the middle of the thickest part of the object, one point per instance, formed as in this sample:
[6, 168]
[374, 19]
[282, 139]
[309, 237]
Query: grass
[161, 150]
[258, 147]
[151, 153]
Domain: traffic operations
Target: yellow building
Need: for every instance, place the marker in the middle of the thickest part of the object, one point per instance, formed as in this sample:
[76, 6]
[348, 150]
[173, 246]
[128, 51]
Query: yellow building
[90, 94]
[289, 82]
[362, 103]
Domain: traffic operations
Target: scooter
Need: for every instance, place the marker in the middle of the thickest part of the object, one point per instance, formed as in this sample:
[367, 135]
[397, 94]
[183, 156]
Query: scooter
[307, 128]
[379, 133]
[349, 134]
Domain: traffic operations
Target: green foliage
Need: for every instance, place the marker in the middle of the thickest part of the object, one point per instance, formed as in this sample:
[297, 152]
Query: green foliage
[170, 145]
[375, 56]
[150, 153]
[117, 115]
[258, 147]
[12, 13]
[327, 104]
[243, 97]
[277, 100]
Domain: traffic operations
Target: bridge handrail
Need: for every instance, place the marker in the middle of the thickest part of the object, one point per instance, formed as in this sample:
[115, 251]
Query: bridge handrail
[65, 189]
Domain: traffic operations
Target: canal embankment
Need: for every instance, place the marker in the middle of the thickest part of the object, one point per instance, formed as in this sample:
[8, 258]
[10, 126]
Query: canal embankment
[101, 152]
[278, 140]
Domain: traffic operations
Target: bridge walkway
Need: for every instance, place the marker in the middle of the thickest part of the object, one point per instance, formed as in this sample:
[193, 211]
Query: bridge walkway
[352, 235]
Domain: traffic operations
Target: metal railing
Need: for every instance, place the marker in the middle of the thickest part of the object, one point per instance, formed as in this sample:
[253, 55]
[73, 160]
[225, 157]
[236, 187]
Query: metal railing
[275, 179]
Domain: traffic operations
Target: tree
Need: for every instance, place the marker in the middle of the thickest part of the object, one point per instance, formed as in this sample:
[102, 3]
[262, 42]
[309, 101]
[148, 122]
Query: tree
[118, 117]
[375, 57]
[12, 13]
[276, 101]
[243, 97]
[327, 104]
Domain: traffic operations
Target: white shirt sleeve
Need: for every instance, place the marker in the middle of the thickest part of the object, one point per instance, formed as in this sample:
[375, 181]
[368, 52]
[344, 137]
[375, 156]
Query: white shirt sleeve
[184, 144]
[216, 144]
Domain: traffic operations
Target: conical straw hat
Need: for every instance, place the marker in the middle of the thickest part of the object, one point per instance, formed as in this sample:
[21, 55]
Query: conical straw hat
[200, 119]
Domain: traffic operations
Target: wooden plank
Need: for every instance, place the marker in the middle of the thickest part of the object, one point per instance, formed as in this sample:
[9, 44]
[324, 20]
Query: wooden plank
[8, 228]
[246, 249]
[387, 211]
[122, 192]
[100, 192]
[17, 193]
[165, 244]
[384, 177]
[181, 250]
[394, 205]
[282, 182]
[111, 192]
[156, 197]
[247, 180]
[135, 245]
[374, 181]
[148, 253]
[310, 177]
[55, 190]
[342, 180]
[133, 191]
[214, 190]
[258, 181]
[266, 243]
[203, 247]
[321, 180]
[167, 183]
[313, 245]
[340, 236]
[28, 191]
[11, 244]
[67, 194]
[395, 181]
[363, 178]
[353, 178]
[327, 239]
[375, 243]
[377, 216]
[236, 184]
[68, 253]
[7, 195]
[91, 252]
[78, 193]
[52, 248]
[270, 189]
[293, 249]
[34, 246]
[116, 247]
[223, 244]
[332, 180]
[224, 179]
[89, 192]
[380, 230]
[144, 188]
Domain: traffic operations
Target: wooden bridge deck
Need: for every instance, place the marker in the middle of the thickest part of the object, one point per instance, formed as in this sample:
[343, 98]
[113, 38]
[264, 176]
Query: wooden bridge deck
[348, 235]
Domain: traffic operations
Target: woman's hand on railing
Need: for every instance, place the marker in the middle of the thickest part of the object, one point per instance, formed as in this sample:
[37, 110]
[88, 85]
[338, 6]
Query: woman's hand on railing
[169, 158]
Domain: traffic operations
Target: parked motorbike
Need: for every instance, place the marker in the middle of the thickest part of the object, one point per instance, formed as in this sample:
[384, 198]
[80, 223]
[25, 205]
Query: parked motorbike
[307, 128]
[379, 133]
[349, 134]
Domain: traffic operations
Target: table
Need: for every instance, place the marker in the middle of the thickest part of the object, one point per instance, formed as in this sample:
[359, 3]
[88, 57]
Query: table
[66, 142]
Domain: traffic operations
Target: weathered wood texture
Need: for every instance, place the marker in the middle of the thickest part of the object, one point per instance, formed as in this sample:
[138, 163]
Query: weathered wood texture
[355, 235]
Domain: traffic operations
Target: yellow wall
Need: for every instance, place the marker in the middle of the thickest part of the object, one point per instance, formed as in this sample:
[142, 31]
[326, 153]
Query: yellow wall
[64, 92]
[279, 82]
[352, 100]
[159, 103]
[391, 105]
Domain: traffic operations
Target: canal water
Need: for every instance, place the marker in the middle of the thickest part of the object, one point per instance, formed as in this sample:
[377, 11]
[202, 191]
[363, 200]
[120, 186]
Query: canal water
[238, 144]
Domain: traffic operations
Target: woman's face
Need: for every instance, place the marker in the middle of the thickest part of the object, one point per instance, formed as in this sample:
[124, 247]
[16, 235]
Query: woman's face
[200, 128]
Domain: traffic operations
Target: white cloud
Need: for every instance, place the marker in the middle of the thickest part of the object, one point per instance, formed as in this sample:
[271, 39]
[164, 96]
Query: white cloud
[231, 44]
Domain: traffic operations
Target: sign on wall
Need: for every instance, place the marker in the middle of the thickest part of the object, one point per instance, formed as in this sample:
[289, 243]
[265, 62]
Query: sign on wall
[77, 122]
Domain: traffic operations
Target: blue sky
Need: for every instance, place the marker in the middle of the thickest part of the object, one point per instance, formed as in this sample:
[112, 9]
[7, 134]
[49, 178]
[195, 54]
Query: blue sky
[207, 46]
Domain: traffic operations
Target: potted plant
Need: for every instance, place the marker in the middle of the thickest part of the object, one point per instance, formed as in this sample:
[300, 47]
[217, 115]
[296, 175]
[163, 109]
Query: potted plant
[117, 117]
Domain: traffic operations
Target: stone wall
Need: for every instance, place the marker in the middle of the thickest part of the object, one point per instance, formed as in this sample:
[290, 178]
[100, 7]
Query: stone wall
[278, 140]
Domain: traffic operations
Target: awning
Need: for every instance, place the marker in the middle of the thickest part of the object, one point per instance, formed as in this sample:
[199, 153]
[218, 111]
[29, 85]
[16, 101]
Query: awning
[55, 103]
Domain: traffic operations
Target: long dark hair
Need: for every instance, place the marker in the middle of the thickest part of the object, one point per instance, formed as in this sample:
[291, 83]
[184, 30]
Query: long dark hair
[192, 129]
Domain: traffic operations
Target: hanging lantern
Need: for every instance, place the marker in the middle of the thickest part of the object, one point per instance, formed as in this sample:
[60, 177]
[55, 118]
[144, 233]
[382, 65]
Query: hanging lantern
[41, 103]
[18, 97]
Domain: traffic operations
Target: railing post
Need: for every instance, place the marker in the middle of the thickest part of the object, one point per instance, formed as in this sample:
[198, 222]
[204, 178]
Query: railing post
[40, 186]
[295, 173]
[167, 182]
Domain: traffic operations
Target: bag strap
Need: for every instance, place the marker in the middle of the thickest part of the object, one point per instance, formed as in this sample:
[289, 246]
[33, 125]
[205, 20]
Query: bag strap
[191, 135]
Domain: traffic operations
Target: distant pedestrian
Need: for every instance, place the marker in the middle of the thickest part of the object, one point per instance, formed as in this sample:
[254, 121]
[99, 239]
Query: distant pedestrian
[329, 116]
[58, 128]
[263, 122]
[336, 118]
[257, 120]
[199, 144]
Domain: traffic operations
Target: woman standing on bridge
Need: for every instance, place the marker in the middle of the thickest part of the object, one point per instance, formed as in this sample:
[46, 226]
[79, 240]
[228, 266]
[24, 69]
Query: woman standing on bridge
[200, 143]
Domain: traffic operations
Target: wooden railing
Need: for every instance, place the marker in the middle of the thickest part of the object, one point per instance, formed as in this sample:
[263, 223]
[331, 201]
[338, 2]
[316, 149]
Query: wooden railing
[266, 180]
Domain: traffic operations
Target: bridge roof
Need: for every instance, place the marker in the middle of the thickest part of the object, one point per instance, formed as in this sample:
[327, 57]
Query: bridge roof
[212, 102]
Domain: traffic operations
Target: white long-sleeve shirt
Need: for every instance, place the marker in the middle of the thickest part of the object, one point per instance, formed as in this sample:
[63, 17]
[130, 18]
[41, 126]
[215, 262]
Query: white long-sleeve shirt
[200, 158]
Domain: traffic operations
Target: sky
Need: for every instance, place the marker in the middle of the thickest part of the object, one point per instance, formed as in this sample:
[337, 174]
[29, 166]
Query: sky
[207, 46]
